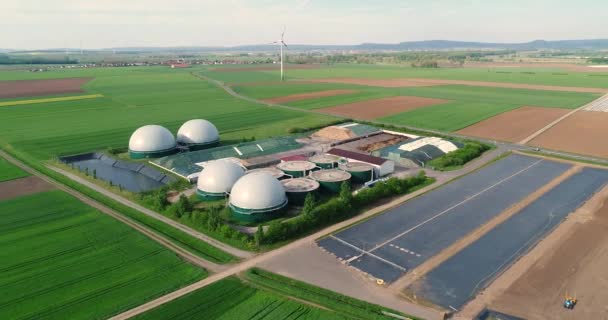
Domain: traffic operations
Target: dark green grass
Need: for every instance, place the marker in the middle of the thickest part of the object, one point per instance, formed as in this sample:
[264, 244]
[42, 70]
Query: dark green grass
[448, 117]
[231, 299]
[61, 259]
[132, 98]
[9, 172]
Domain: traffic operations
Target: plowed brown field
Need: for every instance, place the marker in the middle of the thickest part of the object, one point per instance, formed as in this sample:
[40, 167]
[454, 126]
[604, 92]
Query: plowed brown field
[377, 108]
[21, 187]
[308, 95]
[514, 125]
[575, 265]
[584, 132]
[31, 88]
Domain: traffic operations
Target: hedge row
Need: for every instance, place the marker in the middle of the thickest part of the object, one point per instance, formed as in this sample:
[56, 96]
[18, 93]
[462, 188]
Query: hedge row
[457, 158]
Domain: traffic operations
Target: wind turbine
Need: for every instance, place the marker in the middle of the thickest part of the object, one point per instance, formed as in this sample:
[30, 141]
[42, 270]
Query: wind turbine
[282, 44]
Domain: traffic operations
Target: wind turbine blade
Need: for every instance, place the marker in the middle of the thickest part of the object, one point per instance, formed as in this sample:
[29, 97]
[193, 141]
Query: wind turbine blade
[285, 44]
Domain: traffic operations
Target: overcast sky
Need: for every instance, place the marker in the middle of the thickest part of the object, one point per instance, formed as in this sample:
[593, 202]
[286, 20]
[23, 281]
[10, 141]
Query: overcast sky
[32, 24]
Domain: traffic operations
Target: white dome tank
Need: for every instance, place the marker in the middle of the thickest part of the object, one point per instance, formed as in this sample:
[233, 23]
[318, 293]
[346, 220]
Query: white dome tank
[151, 140]
[198, 132]
[218, 177]
[258, 191]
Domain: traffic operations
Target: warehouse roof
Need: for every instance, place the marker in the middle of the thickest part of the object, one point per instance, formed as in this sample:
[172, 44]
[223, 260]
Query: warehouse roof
[357, 156]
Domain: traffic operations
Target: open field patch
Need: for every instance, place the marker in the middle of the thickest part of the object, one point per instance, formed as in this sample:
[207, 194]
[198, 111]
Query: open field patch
[30, 88]
[58, 99]
[449, 116]
[8, 171]
[309, 95]
[385, 83]
[514, 125]
[62, 259]
[581, 132]
[574, 264]
[400, 239]
[478, 264]
[22, 186]
[376, 108]
[269, 67]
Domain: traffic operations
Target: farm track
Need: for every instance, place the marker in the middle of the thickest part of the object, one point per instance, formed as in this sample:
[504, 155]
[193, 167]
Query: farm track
[152, 235]
[234, 251]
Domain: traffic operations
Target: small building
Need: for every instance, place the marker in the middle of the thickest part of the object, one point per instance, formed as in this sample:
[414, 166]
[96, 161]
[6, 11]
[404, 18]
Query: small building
[382, 167]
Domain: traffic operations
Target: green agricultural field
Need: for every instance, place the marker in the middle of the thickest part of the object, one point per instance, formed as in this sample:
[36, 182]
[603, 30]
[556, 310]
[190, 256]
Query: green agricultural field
[547, 76]
[265, 295]
[9, 172]
[61, 259]
[448, 117]
[134, 97]
[231, 299]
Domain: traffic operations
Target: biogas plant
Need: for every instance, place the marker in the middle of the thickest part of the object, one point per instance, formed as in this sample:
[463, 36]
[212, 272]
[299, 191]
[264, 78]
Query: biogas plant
[264, 179]
[154, 141]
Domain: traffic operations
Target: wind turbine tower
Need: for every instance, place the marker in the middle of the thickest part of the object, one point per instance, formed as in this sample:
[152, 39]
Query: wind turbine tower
[282, 44]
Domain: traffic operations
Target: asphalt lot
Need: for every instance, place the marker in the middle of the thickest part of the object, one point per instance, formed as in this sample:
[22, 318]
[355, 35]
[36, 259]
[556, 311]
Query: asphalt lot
[459, 278]
[402, 238]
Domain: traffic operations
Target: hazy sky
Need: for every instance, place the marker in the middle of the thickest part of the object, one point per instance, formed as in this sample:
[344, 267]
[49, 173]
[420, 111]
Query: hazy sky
[28, 24]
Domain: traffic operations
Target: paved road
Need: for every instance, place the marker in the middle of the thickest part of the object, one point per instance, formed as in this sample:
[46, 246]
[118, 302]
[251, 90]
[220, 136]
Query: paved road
[151, 234]
[234, 251]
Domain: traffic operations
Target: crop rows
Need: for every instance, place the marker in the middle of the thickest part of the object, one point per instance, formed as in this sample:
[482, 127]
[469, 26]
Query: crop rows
[231, 299]
[62, 259]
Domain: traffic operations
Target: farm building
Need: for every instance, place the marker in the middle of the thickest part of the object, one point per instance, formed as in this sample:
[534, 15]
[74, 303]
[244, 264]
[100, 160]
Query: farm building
[151, 141]
[257, 197]
[331, 179]
[198, 134]
[217, 179]
[417, 152]
[189, 164]
[381, 166]
[345, 132]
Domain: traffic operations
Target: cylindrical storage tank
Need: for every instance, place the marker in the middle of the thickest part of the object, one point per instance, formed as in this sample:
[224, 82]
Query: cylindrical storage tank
[325, 161]
[151, 141]
[298, 188]
[257, 197]
[296, 169]
[278, 174]
[332, 179]
[198, 134]
[360, 172]
[217, 179]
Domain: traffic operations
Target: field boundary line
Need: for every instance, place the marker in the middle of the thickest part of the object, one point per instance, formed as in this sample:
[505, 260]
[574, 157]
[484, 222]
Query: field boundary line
[552, 124]
[369, 253]
[455, 206]
[220, 245]
[476, 234]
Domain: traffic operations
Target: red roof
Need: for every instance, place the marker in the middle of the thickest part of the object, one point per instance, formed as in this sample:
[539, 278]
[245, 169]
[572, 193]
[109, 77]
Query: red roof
[357, 156]
[180, 65]
[297, 157]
